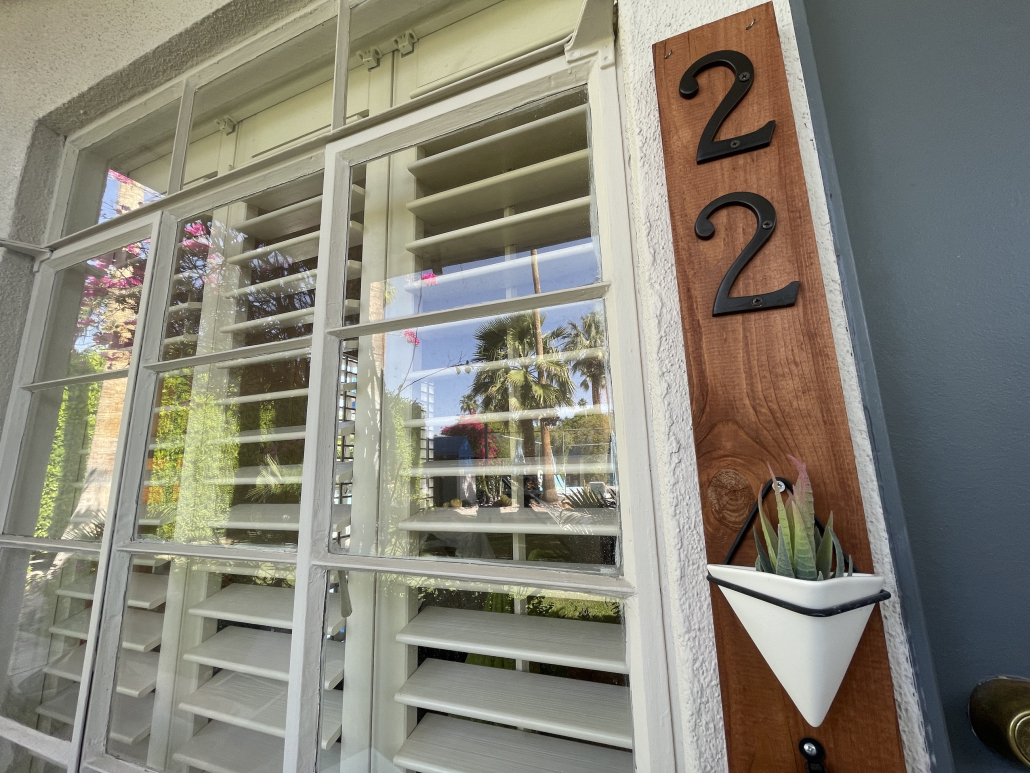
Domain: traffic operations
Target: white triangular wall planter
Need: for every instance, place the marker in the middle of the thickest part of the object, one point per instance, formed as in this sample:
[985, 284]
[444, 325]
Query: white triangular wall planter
[809, 655]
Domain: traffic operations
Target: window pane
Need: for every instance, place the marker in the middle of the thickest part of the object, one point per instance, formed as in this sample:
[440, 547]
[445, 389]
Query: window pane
[245, 273]
[471, 676]
[67, 461]
[495, 440]
[44, 616]
[224, 461]
[93, 313]
[498, 210]
[123, 171]
[205, 662]
[401, 51]
[278, 99]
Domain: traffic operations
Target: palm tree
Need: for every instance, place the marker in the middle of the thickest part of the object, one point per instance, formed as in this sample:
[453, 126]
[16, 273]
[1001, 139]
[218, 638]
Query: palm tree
[521, 377]
[589, 335]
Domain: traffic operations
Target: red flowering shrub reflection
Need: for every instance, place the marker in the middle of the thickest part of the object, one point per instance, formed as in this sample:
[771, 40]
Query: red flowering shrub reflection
[109, 306]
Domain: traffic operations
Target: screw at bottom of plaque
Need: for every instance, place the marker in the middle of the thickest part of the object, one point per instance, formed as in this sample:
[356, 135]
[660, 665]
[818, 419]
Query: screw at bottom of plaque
[756, 302]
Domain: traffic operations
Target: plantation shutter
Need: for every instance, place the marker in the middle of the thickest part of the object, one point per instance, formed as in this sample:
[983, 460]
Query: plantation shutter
[224, 468]
[486, 215]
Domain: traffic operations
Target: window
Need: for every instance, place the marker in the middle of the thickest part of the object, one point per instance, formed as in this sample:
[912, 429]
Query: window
[342, 436]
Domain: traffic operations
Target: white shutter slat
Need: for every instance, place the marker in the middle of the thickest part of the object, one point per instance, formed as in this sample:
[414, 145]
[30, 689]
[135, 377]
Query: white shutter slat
[553, 177]
[250, 476]
[141, 630]
[574, 708]
[130, 717]
[253, 604]
[260, 605]
[146, 591]
[296, 317]
[487, 520]
[261, 653]
[257, 703]
[563, 222]
[263, 397]
[520, 146]
[298, 249]
[137, 671]
[289, 219]
[446, 745]
[491, 467]
[576, 643]
[221, 748]
[242, 438]
[302, 281]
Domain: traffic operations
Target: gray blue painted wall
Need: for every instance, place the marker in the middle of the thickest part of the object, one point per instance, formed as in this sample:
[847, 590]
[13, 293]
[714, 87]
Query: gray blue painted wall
[927, 108]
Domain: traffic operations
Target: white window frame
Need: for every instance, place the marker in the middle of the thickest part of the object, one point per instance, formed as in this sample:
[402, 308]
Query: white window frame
[589, 60]
[16, 430]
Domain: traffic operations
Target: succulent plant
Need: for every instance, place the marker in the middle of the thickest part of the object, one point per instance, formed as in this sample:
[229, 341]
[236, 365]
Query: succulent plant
[797, 549]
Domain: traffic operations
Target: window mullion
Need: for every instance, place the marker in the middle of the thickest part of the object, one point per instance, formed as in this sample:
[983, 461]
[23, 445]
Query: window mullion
[309, 608]
[180, 143]
[112, 572]
[342, 55]
[654, 747]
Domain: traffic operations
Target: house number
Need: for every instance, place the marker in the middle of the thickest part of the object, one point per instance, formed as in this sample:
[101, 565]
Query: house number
[765, 225]
[710, 149]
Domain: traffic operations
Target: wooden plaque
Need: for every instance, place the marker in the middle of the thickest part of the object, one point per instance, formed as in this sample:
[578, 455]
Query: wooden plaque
[764, 384]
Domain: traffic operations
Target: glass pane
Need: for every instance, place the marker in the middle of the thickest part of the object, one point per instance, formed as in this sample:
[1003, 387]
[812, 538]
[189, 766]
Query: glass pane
[123, 171]
[468, 675]
[67, 461]
[204, 663]
[44, 617]
[494, 440]
[268, 104]
[245, 273]
[401, 51]
[498, 210]
[94, 308]
[224, 461]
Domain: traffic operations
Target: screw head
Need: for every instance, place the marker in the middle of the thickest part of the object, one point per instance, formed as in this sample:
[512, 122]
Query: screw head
[744, 77]
[767, 224]
[734, 143]
[809, 748]
[756, 301]
[780, 485]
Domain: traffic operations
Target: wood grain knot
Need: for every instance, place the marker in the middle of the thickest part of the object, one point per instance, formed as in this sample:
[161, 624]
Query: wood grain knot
[731, 497]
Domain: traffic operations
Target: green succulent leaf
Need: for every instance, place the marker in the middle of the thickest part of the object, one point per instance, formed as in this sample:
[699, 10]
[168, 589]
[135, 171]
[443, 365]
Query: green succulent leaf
[768, 533]
[824, 551]
[839, 553]
[804, 546]
[783, 564]
[762, 563]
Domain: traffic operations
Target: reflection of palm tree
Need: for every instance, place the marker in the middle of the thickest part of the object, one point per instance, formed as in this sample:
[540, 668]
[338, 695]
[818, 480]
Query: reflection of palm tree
[586, 336]
[521, 379]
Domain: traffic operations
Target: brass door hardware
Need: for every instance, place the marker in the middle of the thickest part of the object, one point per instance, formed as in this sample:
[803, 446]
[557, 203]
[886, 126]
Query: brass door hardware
[999, 711]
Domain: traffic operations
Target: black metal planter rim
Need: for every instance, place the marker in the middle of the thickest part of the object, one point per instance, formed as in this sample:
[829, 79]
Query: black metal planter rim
[848, 606]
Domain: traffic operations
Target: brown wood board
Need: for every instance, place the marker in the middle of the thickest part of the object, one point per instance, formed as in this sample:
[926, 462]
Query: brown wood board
[764, 385]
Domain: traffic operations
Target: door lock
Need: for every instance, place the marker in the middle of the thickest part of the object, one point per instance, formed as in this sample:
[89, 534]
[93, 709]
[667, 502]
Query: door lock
[999, 711]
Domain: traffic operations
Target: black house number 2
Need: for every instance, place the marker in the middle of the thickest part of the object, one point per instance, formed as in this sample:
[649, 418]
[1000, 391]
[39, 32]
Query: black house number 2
[710, 149]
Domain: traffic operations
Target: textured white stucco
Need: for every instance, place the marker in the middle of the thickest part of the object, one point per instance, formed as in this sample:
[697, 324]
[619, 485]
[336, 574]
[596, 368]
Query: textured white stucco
[642, 23]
